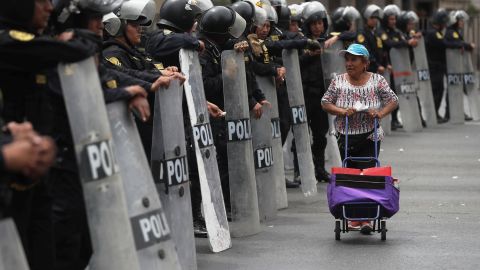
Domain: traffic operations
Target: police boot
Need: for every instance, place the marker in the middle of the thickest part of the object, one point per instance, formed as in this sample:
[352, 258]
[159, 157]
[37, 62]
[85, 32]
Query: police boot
[199, 227]
[320, 174]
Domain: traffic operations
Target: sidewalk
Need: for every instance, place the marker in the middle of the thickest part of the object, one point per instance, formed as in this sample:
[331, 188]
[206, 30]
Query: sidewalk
[436, 228]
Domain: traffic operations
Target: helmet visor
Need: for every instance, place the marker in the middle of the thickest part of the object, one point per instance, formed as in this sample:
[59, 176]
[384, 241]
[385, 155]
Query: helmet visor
[238, 26]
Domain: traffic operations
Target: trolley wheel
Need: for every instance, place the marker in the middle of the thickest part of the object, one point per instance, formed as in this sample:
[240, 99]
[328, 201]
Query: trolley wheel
[337, 230]
[383, 229]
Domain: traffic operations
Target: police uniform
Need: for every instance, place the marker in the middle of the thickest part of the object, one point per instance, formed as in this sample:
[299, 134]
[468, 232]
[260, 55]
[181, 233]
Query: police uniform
[393, 38]
[23, 57]
[164, 46]
[314, 89]
[374, 44]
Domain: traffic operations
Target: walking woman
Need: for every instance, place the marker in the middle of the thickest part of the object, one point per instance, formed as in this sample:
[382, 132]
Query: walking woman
[362, 96]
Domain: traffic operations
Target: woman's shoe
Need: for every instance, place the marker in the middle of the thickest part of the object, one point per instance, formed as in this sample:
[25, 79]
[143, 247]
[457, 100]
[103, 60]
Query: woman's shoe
[366, 228]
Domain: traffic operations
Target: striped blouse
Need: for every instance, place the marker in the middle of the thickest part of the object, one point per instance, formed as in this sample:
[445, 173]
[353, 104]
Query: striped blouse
[375, 93]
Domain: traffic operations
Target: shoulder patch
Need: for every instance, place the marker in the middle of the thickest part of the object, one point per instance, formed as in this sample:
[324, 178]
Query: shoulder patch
[40, 79]
[112, 84]
[379, 43]
[384, 36]
[167, 32]
[114, 61]
[455, 35]
[439, 35]
[275, 37]
[21, 36]
[360, 38]
[335, 34]
[159, 66]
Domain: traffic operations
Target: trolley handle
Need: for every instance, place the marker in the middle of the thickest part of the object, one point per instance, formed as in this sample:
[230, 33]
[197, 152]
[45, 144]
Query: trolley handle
[375, 139]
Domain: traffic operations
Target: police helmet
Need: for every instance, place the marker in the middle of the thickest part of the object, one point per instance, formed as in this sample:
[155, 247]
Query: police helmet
[296, 12]
[141, 12]
[313, 11]
[284, 17]
[222, 21]
[64, 9]
[261, 11]
[278, 3]
[440, 17]
[17, 12]
[181, 14]
[405, 17]
[456, 15]
[344, 17]
[372, 11]
[272, 16]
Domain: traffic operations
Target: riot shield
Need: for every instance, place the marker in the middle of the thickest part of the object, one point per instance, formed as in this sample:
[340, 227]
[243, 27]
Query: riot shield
[470, 80]
[151, 230]
[268, 87]
[333, 158]
[332, 65]
[455, 85]
[210, 185]
[263, 157]
[424, 85]
[386, 122]
[243, 190]
[299, 122]
[406, 89]
[12, 256]
[170, 170]
[110, 231]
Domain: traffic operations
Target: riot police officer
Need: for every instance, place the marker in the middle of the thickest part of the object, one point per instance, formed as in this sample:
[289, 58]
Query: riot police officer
[371, 40]
[435, 46]
[24, 54]
[315, 25]
[344, 23]
[393, 38]
[216, 27]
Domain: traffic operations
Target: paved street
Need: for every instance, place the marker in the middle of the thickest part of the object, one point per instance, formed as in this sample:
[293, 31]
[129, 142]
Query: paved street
[437, 226]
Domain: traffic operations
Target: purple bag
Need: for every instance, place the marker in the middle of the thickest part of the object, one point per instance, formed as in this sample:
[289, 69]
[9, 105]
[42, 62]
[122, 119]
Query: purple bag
[355, 186]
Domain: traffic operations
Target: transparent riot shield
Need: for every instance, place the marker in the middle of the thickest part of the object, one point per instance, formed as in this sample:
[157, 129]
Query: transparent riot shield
[424, 85]
[151, 230]
[299, 122]
[170, 170]
[386, 122]
[470, 80]
[12, 256]
[110, 231]
[332, 64]
[241, 170]
[263, 158]
[210, 185]
[268, 87]
[455, 67]
[406, 89]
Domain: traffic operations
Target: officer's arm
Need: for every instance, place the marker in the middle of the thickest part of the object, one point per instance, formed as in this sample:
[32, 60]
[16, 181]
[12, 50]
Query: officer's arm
[142, 75]
[263, 69]
[347, 36]
[276, 46]
[44, 52]
[126, 80]
[172, 43]
[451, 42]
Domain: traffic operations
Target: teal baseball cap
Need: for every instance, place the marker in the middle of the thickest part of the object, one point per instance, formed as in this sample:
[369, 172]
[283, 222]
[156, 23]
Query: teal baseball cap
[356, 49]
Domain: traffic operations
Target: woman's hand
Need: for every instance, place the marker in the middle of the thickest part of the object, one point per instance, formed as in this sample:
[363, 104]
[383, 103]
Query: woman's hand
[348, 112]
[375, 113]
